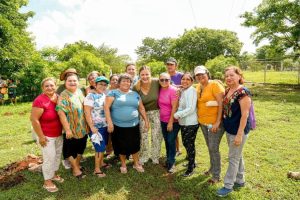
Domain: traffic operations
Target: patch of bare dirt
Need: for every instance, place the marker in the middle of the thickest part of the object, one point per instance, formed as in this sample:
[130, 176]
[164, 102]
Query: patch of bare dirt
[9, 176]
[8, 114]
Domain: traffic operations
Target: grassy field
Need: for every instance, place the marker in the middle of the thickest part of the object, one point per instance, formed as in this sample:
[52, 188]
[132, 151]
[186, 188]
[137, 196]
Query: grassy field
[270, 152]
[275, 77]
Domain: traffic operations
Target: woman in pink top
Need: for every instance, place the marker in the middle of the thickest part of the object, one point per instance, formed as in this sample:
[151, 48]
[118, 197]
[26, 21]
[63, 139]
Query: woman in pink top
[168, 103]
[47, 126]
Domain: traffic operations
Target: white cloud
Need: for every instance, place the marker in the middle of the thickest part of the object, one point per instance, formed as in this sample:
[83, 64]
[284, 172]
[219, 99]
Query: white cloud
[123, 24]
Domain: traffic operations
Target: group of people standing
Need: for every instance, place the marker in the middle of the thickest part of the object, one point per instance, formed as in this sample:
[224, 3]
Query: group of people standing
[118, 118]
[8, 87]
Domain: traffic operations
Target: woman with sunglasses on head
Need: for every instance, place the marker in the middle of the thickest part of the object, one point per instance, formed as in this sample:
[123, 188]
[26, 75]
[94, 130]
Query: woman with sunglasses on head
[168, 103]
[187, 117]
[148, 89]
[209, 103]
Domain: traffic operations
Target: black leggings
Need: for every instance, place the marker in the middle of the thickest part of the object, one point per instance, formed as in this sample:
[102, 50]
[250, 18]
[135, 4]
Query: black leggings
[188, 134]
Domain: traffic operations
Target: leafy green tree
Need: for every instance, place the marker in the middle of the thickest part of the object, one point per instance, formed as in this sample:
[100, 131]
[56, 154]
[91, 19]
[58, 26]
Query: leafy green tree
[157, 67]
[16, 47]
[278, 22]
[217, 65]
[154, 49]
[198, 45]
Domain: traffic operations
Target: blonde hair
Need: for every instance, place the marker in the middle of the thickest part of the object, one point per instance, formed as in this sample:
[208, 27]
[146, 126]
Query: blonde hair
[236, 70]
[48, 79]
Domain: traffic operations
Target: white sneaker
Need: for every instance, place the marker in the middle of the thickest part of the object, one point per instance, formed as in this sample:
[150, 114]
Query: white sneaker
[66, 164]
[172, 170]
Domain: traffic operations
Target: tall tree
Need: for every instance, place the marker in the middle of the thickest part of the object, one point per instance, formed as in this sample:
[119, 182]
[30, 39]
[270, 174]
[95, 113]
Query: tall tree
[16, 47]
[278, 22]
[198, 45]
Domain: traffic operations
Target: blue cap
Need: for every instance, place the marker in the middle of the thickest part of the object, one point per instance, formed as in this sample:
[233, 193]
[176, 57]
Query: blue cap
[102, 78]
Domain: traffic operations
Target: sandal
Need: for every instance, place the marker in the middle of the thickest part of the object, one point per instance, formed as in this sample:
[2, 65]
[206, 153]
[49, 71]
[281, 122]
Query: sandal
[58, 179]
[80, 176]
[123, 170]
[138, 168]
[106, 166]
[50, 188]
[100, 174]
[206, 173]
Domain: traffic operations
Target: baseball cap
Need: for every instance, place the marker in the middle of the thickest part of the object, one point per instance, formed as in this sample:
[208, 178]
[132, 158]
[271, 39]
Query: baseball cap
[102, 78]
[171, 61]
[200, 70]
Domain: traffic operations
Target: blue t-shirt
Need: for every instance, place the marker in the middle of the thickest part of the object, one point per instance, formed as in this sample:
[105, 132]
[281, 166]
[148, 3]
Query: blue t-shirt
[124, 109]
[232, 111]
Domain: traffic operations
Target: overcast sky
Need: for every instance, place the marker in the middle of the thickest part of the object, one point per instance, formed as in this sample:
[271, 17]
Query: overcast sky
[122, 24]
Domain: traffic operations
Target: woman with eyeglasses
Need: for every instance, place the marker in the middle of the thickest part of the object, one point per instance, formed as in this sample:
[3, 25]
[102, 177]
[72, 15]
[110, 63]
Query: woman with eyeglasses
[187, 117]
[168, 103]
[209, 105]
[95, 117]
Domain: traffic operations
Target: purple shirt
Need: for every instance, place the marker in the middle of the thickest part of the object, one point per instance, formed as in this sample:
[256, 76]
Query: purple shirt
[176, 79]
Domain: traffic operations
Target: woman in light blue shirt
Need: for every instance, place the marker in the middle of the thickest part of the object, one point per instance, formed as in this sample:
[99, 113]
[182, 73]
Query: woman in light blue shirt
[122, 109]
[187, 117]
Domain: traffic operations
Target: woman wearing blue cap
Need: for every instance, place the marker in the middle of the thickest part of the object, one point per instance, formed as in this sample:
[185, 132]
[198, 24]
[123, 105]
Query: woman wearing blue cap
[95, 117]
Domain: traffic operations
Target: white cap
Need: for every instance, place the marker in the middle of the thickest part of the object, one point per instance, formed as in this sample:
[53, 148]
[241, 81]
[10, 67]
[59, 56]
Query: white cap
[200, 70]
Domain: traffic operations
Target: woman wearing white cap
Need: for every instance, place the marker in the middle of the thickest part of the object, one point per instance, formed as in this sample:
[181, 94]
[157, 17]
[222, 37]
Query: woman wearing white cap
[209, 103]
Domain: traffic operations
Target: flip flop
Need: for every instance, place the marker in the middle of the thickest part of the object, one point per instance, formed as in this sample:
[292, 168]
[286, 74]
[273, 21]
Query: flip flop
[123, 170]
[58, 179]
[106, 166]
[80, 176]
[100, 174]
[50, 188]
[138, 168]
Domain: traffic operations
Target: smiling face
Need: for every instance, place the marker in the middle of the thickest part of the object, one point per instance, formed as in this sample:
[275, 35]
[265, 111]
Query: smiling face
[186, 81]
[101, 87]
[131, 69]
[114, 82]
[49, 87]
[72, 83]
[145, 76]
[164, 80]
[124, 85]
[202, 78]
[92, 78]
[232, 78]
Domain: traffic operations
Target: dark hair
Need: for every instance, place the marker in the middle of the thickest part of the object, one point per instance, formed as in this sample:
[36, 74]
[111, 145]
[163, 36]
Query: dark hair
[124, 76]
[144, 68]
[236, 70]
[111, 76]
[188, 74]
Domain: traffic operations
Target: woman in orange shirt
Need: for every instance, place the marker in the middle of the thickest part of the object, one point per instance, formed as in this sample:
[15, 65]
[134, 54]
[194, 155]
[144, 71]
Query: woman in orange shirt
[209, 106]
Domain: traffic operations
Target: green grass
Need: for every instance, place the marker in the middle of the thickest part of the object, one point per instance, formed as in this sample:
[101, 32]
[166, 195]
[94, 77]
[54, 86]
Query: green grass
[283, 77]
[270, 152]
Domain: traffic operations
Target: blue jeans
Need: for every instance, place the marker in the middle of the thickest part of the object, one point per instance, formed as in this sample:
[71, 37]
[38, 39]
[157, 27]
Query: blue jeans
[170, 141]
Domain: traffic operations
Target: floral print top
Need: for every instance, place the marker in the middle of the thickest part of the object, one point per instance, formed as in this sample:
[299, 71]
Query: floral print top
[232, 111]
[96, 101]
